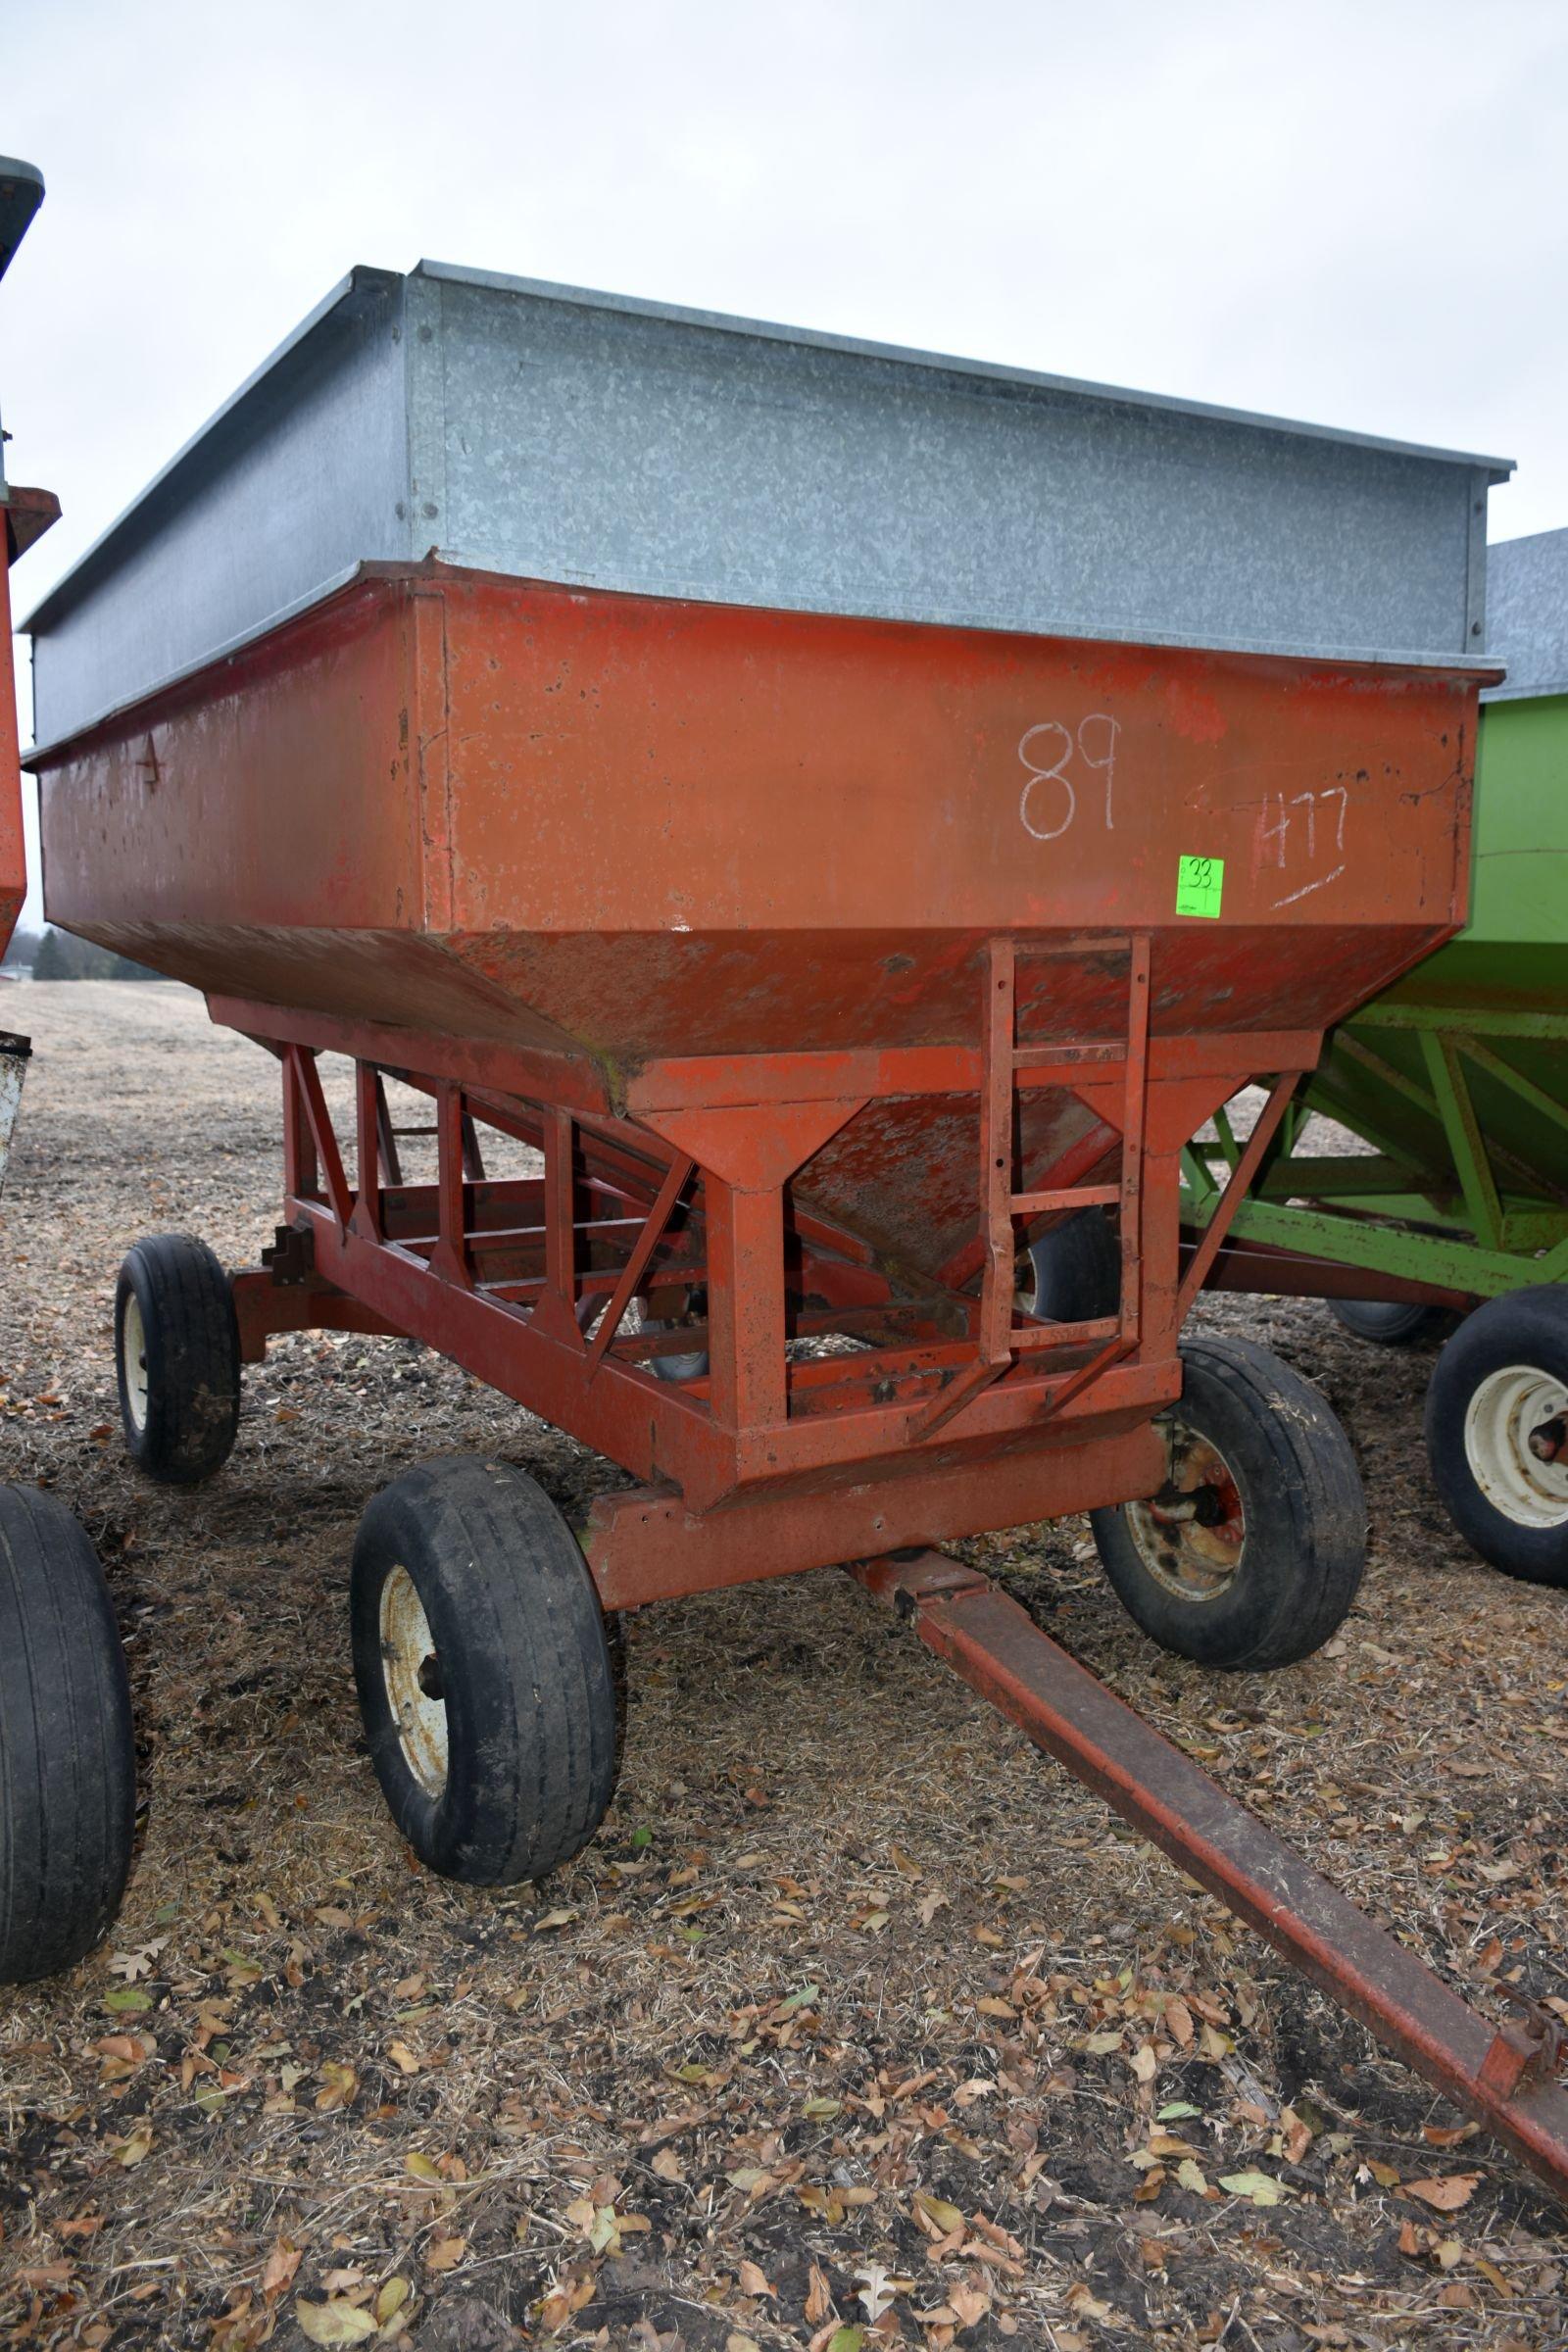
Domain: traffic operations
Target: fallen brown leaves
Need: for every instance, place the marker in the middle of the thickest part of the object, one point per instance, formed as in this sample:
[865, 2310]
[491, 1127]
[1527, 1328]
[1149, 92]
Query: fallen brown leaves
[858, 2025]
[1446, 2195]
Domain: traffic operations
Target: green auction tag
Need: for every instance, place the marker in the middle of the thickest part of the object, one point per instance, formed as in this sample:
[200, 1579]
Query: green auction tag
[1200, 882]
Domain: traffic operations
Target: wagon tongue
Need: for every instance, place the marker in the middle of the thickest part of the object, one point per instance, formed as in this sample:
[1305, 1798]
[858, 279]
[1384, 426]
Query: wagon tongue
[1505, 2075]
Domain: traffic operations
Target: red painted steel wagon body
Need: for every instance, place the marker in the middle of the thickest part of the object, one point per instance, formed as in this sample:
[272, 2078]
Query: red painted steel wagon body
[851, 944]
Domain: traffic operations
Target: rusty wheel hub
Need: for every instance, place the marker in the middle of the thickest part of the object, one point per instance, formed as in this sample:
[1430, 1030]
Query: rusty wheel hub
[414, 1689]
[1190, 1536]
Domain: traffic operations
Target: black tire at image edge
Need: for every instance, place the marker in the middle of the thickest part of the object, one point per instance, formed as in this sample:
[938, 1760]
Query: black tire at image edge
[68, 1755]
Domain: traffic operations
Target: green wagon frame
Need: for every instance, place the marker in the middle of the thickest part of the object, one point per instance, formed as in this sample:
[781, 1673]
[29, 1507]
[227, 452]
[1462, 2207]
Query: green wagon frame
[1455, 1083]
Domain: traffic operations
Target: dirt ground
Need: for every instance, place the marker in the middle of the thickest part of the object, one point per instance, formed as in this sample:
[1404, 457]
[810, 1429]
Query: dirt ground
[857, 2011]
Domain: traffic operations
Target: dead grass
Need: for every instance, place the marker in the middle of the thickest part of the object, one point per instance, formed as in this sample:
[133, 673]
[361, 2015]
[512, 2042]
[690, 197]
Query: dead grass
[848, 1999]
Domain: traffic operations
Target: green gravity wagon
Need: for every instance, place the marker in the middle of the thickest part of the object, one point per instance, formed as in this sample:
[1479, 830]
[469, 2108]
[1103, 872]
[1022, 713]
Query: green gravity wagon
[1446, 1188]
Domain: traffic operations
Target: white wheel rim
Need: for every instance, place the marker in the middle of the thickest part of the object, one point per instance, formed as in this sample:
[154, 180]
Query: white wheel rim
[408, 1667]
[1194, 1550]
[1498, 1424]
[134, 1360]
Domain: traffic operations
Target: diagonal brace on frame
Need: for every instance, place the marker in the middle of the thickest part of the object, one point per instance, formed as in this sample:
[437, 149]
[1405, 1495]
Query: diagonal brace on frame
[300, 1064]
[655, 1225]
[1451, 1092]
[1230, 1199]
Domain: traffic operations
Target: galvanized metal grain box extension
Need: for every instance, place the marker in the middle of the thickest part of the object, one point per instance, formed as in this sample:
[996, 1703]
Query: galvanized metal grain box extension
[581, 438]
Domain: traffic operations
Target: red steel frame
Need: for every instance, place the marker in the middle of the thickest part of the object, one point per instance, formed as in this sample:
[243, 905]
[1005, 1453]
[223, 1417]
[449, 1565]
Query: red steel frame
[954, 1412]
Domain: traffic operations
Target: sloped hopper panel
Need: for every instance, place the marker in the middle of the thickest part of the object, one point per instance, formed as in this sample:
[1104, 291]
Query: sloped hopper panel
[629, 829]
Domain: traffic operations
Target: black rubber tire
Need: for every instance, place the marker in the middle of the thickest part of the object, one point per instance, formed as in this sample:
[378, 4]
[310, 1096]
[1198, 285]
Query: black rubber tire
[1303, 1515]
[1527, 1328]
[67, 1754]
[1390, 1322]
[1077, 1270]
[525, 1668]
[693, 1365]
[190, 1348]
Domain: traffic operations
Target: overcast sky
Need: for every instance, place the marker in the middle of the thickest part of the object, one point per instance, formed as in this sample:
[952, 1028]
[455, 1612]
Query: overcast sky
[1354, 213]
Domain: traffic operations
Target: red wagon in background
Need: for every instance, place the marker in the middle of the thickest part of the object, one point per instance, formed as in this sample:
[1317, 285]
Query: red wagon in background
[855, 817]
[68, 1757]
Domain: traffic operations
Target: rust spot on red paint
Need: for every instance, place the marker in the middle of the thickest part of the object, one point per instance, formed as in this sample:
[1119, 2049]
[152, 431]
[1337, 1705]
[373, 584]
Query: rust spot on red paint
[1194, 711]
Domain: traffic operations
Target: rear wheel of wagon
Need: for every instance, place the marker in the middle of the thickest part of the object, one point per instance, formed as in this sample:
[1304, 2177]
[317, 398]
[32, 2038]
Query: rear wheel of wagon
[177, 1352]
[1251, 1552]
[1390, 1322]
[485, 1673]
[1072, 1274]
[1497, 1431]
[68, 1757]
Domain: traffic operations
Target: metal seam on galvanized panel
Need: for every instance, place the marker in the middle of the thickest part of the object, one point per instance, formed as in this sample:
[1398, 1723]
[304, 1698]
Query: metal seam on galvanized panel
[427, 419]
[1475, 591]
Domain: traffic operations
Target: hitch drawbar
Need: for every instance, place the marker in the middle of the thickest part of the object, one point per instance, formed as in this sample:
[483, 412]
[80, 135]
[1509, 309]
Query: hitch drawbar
[1505, 2075]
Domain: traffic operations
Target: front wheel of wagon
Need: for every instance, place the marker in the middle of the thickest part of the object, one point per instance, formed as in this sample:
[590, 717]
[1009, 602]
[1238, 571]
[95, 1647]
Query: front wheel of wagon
[484, 1669]
[68, 1756]
[176, 1354]
[1497, 1429]
[1251, 1552]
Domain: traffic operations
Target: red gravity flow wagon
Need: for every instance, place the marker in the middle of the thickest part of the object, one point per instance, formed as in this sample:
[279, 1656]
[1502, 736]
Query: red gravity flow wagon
[856, 816]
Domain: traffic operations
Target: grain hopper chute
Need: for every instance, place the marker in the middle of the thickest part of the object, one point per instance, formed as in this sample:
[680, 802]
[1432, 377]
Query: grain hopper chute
[847, 810]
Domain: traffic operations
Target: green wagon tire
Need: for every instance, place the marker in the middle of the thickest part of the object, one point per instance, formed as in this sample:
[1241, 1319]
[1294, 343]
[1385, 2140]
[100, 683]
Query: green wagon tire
[1496, 1431]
